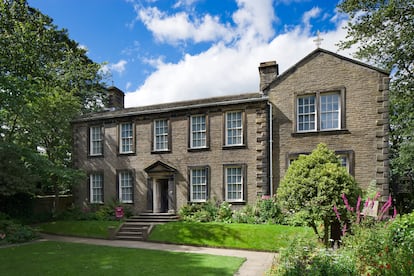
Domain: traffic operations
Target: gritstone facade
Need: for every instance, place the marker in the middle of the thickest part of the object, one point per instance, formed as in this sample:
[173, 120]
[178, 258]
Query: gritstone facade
[236, 148]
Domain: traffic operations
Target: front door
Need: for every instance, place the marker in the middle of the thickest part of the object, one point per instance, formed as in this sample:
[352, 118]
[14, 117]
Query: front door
[163, 184]
[161, 197]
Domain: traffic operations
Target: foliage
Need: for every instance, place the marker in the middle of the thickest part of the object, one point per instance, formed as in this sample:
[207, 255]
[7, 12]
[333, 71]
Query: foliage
[267, 237]
[305, 257]
[313, 184]
[105, 212]
[12, 232]
[373, 248]
[46, 80]
[59, 258]
[383, 31]
[383, 248]
[265, 210]
[199, 212]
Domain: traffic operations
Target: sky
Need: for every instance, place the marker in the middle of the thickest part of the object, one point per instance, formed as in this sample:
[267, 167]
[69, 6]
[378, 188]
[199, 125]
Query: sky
[159, 51]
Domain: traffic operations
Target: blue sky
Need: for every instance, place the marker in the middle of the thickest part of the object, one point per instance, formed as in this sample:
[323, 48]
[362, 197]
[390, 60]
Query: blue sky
[160, 51]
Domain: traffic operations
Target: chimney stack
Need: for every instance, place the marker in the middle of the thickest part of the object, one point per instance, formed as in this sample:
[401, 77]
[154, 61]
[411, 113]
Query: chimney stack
[268, 71]
[115, 98]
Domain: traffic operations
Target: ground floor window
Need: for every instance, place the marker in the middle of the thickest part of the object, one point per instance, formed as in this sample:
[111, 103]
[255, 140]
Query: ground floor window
[126, 187]
[234, 183]
[96, 188]
[199, 184]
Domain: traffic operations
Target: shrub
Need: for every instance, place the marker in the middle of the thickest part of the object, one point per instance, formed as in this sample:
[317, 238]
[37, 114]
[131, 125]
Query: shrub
[199, 212]
[224, 213]
[245, 215]
[313, 184]
[12, 232]
[95, 212]
[305, 257]
[268, 211]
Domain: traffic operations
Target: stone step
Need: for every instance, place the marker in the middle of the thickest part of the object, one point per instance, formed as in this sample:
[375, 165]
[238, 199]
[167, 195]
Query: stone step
[130, 237]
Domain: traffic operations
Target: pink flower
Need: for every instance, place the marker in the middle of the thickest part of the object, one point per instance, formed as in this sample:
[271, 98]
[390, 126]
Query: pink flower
[337, 213]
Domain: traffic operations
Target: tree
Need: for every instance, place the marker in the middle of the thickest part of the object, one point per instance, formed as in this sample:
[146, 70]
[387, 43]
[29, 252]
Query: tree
[313, 185]
[383, 31]
[46, 79]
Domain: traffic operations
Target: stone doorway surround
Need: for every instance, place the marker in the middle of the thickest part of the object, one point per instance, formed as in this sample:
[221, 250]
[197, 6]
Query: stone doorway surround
[161, 192]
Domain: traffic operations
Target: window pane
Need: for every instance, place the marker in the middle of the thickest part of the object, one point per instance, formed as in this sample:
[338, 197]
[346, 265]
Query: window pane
[96, 188]
[330, 111]
[126, 134]
[161, 135]
[198, 184]
[125, 187]
[234, 185]
[96, 141]
[198, 132]
[306, 113]
[234, 128]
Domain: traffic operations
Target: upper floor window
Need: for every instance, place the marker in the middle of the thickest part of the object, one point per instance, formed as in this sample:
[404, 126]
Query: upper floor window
[96, 188]
[198, 132]
[234, 178]
[199, 184]
[161, 135]
[234, 128]
[95, 141]
[126, 186]
[319, 112]
[346, 159]
[126, 140]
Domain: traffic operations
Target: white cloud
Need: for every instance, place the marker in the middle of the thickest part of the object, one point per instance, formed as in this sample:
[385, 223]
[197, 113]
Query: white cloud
[311, 14]
[118, 67]
[228, 68]
[178, 27]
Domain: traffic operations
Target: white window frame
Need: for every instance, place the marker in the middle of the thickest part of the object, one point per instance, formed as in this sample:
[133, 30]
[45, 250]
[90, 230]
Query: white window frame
[318, 113]
[96, 188]
[238, 128]
[198, 132]
[199, 184]
[330, 111]
[239, 183]
[126, 186]
[309, 112]
[95, 141]
[126, 142]
[161, 139]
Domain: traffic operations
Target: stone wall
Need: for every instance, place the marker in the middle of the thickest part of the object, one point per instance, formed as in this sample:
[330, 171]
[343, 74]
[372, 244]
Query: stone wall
[253, 155]
[365, 128]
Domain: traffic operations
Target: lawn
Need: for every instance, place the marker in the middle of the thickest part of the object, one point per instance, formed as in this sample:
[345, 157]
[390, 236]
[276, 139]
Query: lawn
[58, 258]
[81, 228]
[266, 237]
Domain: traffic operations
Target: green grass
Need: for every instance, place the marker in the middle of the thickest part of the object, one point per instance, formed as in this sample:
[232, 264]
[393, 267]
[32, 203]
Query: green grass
[58, 258]
[264, 237]
[82, 228]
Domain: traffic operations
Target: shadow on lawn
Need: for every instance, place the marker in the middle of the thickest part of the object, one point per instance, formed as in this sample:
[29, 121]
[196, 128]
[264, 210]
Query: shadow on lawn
[84, 259]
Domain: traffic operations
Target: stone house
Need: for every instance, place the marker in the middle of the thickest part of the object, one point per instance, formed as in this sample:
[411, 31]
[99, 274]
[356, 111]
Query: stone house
[236, 148]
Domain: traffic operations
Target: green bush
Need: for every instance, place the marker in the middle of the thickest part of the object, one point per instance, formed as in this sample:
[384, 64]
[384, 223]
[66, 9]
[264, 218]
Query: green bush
[305, 257]
[224, 213]
[95, 212]
[12, 232]
[245, 215]
[268, 211]
[199, 212]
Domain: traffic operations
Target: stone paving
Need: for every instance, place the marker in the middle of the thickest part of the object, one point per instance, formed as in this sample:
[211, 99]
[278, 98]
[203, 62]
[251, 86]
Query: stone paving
[256, 264]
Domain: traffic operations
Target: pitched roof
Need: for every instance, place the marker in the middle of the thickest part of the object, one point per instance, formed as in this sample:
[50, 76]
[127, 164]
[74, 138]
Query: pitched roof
[314, 54]
[175, 106]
